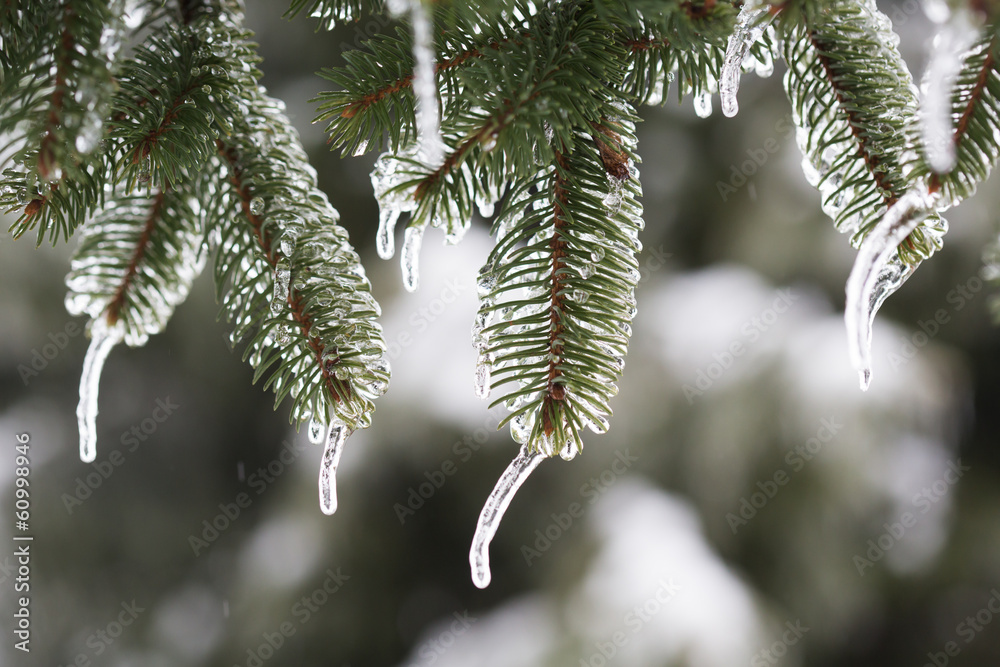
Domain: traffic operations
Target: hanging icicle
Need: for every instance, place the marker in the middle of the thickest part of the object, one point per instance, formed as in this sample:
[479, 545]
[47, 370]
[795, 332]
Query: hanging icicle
[335, 439]
[430, 147]
[747, 32]
[878, 272]
[410, 258]
[489, 519]
[102, 339]
[385, 240]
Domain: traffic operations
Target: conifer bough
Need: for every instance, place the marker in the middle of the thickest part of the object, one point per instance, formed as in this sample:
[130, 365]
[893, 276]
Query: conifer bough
[169, 154]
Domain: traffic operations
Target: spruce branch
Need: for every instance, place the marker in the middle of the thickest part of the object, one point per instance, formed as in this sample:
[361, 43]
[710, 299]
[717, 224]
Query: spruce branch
[55, 93]
[563, 300]
[137, 259]
[162, 126]
[854, 103]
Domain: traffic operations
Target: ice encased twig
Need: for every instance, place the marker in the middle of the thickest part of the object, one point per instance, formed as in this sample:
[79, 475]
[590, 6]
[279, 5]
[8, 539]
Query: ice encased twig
[103, 339]
[489, 519]
[878, 272]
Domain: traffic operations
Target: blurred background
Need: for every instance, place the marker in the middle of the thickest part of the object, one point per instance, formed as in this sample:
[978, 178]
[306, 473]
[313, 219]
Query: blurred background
[750, 505]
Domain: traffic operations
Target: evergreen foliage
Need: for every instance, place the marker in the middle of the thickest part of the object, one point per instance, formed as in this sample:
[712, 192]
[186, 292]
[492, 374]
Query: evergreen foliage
[168, 152]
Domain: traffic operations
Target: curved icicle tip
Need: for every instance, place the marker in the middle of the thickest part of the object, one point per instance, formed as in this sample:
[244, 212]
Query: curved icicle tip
[489, 519]
[102, 340]
[877, 273]
[335, 439]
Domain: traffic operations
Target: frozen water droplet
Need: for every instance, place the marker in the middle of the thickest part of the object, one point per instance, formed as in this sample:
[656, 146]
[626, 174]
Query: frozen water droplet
[361, 148]
[487, 281]
[256, 206]
[497, 503]
[486, 208]
[703, 104]
[102, 340]
[765, 64]
[411, 257]
[145, 169]
[878, 272]
[520, 428]
[580, 295]
[483, 368]
[317, 432]
[282, 277]
[207, 89]
[287, 244]
[655, 96]
[569, 451]
[385, 239]
[597, 254]
[335, 440]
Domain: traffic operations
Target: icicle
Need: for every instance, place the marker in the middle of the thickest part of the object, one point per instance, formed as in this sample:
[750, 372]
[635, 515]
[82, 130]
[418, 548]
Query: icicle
[878, 272]
[425, 87]
[102, 340]
[483, 368]
[335, 440]
[410, 258]
[740, 41]
[489, 519]
[703, 104]
[385, 240]
[951, 44]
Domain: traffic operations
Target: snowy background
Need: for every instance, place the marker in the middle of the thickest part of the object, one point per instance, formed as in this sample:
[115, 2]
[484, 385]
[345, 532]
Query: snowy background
[750, 506]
